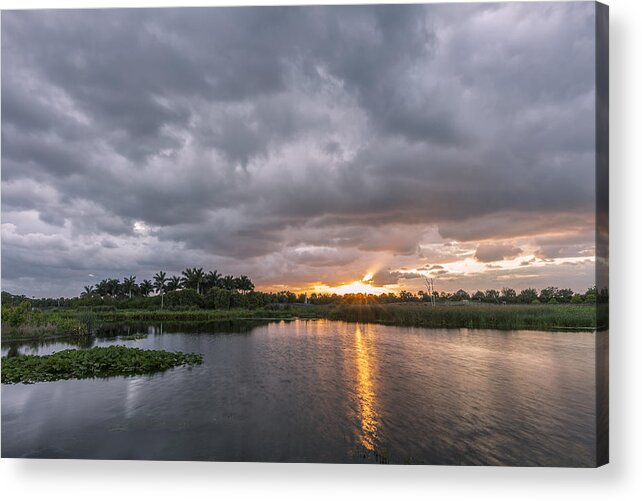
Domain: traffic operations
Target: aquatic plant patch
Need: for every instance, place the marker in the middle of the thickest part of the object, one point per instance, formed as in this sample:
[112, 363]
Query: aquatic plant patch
[92, 363]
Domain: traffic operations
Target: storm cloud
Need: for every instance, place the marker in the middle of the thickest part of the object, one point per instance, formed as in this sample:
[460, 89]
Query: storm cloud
[487, 253]
[297, 145]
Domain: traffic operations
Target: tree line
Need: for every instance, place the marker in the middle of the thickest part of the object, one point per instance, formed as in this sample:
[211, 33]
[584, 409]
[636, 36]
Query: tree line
[548, 295]
[191, 278]
[195, 288]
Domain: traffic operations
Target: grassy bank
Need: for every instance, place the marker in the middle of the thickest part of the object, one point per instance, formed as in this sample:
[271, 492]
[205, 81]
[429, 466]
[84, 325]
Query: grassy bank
[26, 324]
[22, 322]
[482, 316]
[91, 363]
[200, 315]
[473, 316]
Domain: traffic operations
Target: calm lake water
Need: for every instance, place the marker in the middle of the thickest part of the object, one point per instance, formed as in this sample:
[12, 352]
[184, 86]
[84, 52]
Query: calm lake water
[321, 391]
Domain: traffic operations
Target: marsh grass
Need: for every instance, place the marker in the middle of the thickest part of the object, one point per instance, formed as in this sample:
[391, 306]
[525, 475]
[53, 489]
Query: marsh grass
[472, 316]
[193, 315]
[46, 325]
[24, 322]
[482, 316]
[563, 317]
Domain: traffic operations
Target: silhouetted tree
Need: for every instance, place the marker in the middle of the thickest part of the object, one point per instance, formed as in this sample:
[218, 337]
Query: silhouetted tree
[145, 288]
[508, 295]
[192, 278]
[527, 296]
[173, 283]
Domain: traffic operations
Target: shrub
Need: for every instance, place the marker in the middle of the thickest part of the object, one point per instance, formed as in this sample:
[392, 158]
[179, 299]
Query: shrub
[185, 298]
[238, 300]
[218, 299]
[577, 299]
[16, 315]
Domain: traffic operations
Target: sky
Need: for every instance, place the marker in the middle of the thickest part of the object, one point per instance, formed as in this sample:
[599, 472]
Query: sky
[334, 149]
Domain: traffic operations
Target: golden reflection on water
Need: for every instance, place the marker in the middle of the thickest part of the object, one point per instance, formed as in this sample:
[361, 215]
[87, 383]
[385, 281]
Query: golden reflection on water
[366, 397]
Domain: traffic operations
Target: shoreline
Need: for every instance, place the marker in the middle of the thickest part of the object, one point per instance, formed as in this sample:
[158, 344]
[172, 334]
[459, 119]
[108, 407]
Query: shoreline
[553, 318]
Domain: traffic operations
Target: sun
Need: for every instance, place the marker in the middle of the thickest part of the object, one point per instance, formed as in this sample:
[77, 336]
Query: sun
[356, 287]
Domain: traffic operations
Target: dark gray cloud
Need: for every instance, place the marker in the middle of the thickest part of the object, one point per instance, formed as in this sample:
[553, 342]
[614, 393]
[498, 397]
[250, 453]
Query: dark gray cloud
[392, 277]
[284, 141]
[568, 245]
[487, 253]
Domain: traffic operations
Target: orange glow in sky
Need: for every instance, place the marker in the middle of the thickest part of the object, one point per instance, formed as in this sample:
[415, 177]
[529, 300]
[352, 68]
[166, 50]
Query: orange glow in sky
[355, 287]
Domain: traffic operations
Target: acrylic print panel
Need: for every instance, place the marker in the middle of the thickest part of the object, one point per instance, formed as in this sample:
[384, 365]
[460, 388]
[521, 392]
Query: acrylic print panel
[351, 234]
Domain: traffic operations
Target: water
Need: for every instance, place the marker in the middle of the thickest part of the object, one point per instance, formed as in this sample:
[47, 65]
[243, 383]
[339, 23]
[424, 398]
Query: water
[321, 391]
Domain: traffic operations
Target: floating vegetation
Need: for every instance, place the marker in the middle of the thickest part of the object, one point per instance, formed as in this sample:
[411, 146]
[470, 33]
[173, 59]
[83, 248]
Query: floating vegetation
[92, 363]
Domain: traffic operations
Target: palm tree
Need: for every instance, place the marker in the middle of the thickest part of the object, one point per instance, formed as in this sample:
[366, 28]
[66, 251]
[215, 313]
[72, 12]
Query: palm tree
[173, 283]
[192, 278]
[113, 286]
[89, 291]
[102, 288]
[129, 283]
[187, 278]
[159, 285]
[200, 275]
[212, 279]
[146, 287]
[244, 284]
[228, 282]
